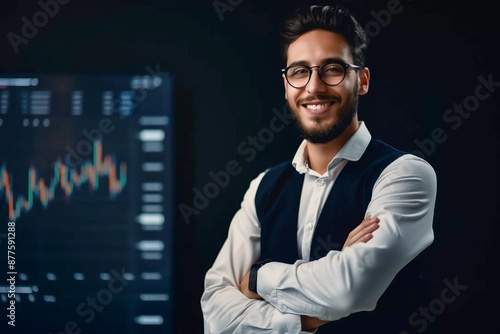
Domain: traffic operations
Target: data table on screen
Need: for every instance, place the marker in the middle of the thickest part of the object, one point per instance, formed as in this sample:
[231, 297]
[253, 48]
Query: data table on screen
[87, 181]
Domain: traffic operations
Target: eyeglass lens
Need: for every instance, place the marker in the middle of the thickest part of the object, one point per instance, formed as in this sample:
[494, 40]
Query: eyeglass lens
[331, 74]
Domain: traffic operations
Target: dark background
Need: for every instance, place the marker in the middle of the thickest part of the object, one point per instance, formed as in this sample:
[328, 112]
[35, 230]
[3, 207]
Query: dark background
[228, 82]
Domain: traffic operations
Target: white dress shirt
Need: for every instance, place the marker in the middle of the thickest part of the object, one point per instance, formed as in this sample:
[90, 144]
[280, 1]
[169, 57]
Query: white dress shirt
[342, 282]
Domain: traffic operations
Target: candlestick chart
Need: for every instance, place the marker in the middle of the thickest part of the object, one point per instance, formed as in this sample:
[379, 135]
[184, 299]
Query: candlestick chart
[87, 183]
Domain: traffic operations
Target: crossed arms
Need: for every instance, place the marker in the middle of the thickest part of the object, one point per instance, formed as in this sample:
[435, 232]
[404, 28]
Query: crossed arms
[362, 233]
[304, 295]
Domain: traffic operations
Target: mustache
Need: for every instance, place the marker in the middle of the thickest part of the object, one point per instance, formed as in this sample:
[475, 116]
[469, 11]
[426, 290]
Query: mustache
[318, 97]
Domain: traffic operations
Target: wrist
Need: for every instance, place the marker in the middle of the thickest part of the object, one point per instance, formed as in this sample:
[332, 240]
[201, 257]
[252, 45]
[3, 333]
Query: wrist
[252, 281]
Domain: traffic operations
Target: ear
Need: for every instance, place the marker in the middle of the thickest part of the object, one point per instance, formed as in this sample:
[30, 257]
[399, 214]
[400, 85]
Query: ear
[285, 83]
[364, 80]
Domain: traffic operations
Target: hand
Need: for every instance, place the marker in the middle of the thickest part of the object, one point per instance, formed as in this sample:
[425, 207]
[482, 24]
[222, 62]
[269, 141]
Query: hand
[244, 288]
[310, 324]
[363, 232]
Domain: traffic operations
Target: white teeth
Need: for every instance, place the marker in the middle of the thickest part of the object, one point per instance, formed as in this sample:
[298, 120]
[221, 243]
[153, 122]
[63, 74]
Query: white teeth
[317, 106]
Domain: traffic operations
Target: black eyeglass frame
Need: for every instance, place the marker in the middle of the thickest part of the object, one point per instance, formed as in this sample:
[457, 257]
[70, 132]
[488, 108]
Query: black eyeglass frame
[345, 65]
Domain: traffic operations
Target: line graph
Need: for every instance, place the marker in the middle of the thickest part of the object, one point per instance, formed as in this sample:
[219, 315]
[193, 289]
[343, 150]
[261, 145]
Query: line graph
[65, 178]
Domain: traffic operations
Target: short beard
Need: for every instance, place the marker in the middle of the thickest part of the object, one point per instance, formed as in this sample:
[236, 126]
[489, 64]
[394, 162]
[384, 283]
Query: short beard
[322, 136]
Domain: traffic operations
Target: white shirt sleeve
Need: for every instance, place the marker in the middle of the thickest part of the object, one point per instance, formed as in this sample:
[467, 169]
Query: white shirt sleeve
[342, 283]
[225, 309]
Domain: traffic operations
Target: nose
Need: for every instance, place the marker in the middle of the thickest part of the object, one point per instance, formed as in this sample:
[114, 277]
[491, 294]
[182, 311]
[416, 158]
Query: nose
[315, 84]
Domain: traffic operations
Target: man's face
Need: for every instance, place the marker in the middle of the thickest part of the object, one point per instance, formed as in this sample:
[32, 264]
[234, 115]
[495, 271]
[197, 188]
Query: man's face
[324, 112]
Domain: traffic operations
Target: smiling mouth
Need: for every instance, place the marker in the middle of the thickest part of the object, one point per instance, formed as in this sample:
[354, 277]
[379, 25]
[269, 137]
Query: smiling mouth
[317, 107]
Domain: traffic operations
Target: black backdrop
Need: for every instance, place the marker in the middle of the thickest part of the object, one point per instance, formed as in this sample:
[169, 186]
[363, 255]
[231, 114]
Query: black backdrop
[427, 59]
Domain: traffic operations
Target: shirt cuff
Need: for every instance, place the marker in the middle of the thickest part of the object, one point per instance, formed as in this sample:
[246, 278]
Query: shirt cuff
[283, 294]
[267, 282]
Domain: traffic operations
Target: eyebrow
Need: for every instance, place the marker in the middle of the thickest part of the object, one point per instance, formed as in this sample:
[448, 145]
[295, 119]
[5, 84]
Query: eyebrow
[324, 61]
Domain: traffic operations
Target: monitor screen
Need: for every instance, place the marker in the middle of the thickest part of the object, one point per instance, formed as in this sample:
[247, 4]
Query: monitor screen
[86, 201]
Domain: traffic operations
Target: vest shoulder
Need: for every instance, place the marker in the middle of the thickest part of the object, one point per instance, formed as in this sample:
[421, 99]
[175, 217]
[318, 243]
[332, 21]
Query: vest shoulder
[280, 167]
[275, 176]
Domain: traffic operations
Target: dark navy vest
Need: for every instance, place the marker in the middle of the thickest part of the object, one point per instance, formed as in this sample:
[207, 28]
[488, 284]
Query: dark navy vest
[277, 203]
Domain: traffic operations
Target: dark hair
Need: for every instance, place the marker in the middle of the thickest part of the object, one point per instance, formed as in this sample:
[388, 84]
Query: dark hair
[336, 19]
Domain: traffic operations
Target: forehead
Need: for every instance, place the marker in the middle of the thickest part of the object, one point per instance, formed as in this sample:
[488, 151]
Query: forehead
[316, 45]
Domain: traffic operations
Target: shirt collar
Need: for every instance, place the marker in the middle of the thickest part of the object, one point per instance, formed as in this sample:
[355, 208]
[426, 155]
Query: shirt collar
[352, 150]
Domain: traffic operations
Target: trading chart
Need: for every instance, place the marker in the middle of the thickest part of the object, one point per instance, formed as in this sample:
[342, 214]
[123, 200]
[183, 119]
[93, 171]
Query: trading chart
[86, 197]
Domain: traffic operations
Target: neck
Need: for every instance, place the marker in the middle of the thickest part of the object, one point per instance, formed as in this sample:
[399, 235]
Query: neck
[320, 155]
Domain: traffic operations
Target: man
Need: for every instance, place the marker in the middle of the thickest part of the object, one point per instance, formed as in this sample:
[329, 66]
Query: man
[327, 242]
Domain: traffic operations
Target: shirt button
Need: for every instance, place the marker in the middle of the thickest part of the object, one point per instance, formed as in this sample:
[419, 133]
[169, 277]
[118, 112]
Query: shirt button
[309, 226]
[321, 182]
[283, 309]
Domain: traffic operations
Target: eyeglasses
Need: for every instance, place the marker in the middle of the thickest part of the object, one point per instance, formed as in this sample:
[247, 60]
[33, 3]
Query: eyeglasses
[331, 73]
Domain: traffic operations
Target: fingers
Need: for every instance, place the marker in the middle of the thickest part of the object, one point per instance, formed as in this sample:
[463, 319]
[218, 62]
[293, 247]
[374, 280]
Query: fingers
[362, 232]
[365, 238]
[367, 226]
[366, 223]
